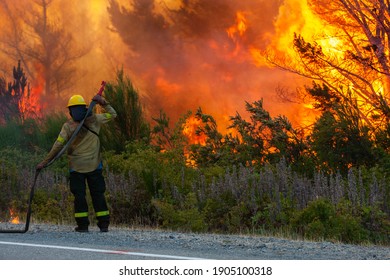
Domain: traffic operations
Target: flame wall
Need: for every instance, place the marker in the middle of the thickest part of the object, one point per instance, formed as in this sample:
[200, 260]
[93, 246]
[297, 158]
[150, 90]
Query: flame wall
[208, 54]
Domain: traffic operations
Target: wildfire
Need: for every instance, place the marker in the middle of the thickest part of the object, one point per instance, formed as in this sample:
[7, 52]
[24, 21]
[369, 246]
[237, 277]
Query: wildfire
[30, 104]
[237, 31]
[240, 27]
[189, 130]
[186, 54]
[14, 218]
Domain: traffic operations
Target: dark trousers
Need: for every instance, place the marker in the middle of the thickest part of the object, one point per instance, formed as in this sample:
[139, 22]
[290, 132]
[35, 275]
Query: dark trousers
[97, 187]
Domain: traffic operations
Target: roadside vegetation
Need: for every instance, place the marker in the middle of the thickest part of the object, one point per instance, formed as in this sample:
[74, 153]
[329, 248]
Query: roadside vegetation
[329, 183]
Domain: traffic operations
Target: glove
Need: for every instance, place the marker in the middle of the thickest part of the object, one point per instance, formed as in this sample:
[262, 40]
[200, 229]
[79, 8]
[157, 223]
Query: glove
[99, 100]
[40, 166]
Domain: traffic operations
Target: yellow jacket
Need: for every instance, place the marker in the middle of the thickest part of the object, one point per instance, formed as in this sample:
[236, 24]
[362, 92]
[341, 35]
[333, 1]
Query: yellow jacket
[84, 152]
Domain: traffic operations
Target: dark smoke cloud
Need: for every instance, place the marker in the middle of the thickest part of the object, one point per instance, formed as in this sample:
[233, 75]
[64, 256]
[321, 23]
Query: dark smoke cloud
[187, 59]
[179, 58]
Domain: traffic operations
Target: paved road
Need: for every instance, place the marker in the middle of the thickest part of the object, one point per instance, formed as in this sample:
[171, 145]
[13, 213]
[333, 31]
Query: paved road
[49, 242]
[202, 255]
[69, 245]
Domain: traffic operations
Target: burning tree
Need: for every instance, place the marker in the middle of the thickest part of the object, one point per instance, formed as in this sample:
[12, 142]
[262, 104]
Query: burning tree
[347, 60]
[350, 58]
[41, 43]
[15, 97]
[263, 139]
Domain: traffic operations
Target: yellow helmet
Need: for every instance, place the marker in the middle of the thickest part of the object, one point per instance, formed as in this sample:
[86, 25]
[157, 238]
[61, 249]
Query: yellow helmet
[76, 100]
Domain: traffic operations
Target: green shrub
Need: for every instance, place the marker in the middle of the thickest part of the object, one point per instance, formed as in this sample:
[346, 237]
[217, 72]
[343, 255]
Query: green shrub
[47, 208]
[10, 135]
[314, 221]
[217, 212]
[239, 218]
[53, 202]
[323, 220]
[129, 125]
[51, 127]
[31, 135]
[346, 225]
[377, 224]
[186, 218]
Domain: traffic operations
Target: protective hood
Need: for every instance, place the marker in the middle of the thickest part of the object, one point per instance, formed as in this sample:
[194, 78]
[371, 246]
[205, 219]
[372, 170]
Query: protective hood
[78, 112]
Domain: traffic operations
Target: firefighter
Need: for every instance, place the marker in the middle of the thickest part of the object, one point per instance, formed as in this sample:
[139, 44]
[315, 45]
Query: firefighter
[85, 162]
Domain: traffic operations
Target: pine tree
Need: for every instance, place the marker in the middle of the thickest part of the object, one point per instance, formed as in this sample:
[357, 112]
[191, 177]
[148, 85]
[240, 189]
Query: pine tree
[12, 94]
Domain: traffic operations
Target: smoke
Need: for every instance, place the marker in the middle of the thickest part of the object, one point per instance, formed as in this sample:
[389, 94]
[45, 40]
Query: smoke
[182, 55]
[198, 53]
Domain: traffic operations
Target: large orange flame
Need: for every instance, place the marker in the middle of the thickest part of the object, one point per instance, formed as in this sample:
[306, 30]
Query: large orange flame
[239, 27]
[31, 105]
[189, 130]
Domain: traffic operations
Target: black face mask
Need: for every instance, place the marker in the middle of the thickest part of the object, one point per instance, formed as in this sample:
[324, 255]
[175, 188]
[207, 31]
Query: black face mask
[78, 112]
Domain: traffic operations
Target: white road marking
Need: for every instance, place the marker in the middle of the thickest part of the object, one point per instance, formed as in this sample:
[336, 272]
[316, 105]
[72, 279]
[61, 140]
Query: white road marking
[100, 251]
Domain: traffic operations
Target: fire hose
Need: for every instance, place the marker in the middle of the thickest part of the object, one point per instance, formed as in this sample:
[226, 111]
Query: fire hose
[57, 156]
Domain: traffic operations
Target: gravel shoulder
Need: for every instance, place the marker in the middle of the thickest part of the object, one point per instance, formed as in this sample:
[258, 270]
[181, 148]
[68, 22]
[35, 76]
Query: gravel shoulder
[208, 246]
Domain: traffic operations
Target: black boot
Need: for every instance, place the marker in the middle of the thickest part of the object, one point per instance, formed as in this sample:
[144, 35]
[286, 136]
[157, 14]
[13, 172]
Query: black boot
[82, 224]
[103, 224]
[104, 229]
[81, 229]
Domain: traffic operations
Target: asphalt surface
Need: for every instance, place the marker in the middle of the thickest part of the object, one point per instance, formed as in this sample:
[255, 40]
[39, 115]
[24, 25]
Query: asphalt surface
[52, 242]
